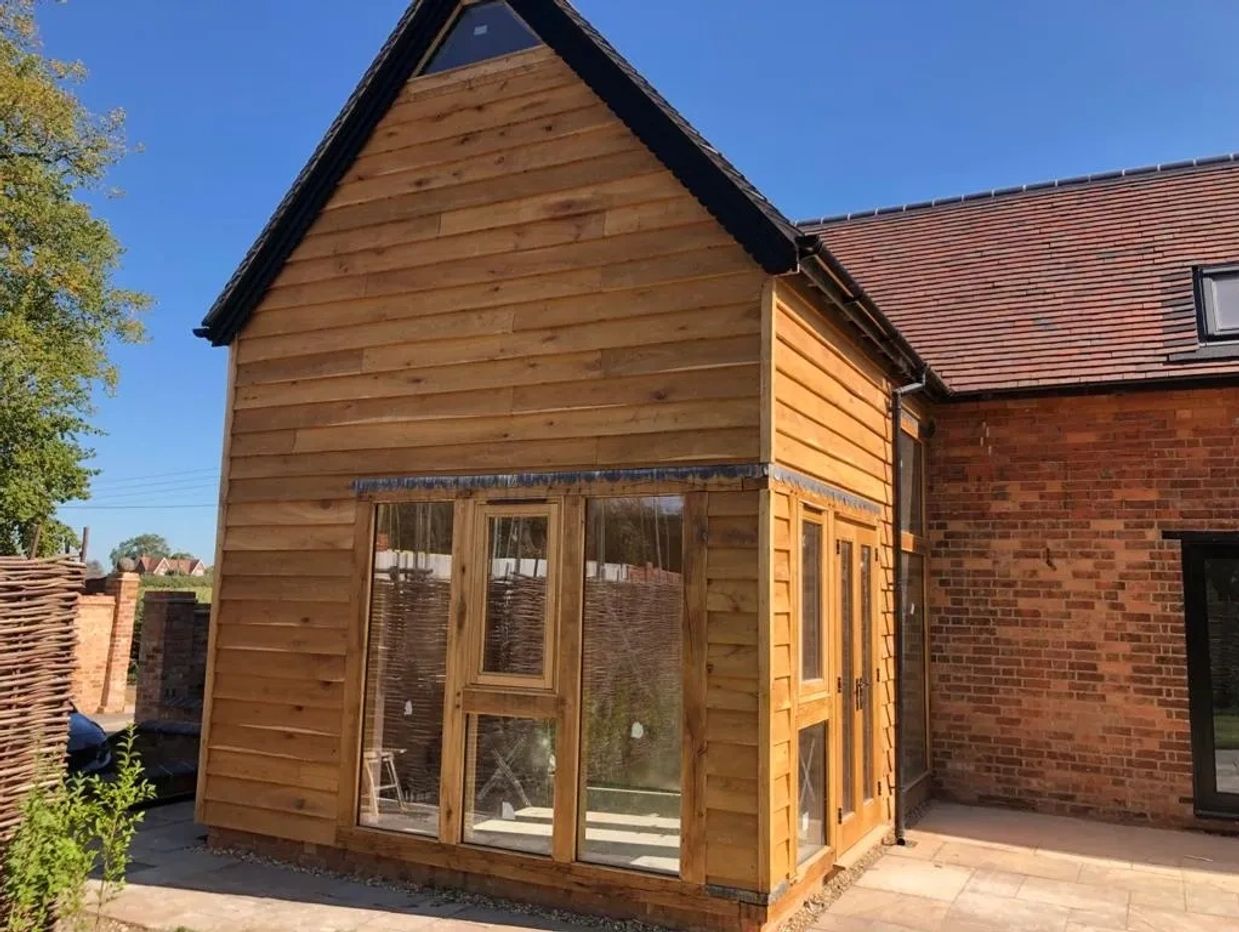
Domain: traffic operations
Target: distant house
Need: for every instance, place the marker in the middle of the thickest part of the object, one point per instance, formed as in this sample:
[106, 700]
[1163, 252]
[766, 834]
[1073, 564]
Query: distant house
[166, 566]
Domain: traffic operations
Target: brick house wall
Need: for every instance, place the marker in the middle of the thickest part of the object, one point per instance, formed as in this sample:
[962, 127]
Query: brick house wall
[1059, 677]
[104, 633]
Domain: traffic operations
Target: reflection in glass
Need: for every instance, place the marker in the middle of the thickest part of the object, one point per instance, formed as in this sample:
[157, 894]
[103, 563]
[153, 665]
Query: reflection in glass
[811, 602]
[482, 31]
[509, 783]
[1222, 601]
[631, 686]
[406, 667]
[848, 675]
[811, 821]
[516, 590]
[914, 734]
[911, 484]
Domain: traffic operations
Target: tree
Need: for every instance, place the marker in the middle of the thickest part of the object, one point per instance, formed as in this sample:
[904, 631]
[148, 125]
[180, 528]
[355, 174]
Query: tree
[59, 305]
[144, 545]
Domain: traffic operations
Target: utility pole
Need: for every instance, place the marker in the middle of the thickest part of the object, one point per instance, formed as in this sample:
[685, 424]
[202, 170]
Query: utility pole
[85, 544]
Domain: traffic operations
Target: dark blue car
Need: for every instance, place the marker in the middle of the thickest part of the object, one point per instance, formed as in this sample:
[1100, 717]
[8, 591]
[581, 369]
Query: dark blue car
[89, 751]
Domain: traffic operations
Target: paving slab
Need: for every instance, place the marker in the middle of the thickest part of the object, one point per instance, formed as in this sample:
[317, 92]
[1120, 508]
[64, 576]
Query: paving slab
[1031, 873]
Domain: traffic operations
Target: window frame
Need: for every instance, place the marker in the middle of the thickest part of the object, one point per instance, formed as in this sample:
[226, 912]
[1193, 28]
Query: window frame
[1206, 312]
[810, 690]
[476, 674]
[437, 46]
[917, 545]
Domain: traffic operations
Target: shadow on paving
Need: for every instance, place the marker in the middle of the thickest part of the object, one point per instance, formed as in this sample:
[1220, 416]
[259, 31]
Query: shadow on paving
[174, 883]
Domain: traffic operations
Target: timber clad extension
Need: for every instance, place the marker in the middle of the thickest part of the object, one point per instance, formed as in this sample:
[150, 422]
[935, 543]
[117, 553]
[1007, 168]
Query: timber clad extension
[522, 369]
[506, 279]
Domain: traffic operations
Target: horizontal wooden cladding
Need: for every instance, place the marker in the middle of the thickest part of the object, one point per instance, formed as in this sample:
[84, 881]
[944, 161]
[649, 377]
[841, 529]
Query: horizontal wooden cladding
[689, 385]
[459, 313]
[721, 446]
[732, 632]
[592, 260]
[829, 402]
[572, 422]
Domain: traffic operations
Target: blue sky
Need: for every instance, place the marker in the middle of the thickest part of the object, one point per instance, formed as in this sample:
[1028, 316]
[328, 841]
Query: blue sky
[828, 106]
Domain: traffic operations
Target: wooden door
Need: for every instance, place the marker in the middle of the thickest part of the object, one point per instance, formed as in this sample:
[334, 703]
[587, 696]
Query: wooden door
[854, 623]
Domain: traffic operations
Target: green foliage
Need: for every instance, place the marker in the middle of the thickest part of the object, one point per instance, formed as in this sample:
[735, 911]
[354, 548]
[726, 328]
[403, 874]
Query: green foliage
[59, 306]
[73, 826]
[143, 545]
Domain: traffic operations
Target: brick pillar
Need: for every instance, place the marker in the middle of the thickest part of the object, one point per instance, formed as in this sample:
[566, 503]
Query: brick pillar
[170, 660]
[123, 588]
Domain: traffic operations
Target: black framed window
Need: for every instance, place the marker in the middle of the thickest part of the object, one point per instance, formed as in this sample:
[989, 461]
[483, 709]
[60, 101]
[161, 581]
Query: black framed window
[1217, 302]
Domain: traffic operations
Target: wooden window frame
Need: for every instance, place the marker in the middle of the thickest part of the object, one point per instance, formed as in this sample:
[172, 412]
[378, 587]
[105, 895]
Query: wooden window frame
[478, 676]
[561, 702]
[810, 690]
[814, 700]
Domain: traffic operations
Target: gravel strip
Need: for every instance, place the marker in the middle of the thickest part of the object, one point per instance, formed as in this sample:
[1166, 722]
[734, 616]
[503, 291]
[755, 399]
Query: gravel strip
[445, 895]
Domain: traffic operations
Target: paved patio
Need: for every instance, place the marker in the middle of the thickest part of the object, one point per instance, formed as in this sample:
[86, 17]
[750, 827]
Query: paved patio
[967, 870]
[176, 885]
[971, 869]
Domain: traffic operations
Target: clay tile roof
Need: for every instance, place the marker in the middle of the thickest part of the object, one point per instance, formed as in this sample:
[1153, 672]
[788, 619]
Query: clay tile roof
[1081, 281]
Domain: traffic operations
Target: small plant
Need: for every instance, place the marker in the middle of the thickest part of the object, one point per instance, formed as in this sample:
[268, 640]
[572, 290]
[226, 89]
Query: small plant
[73, 826]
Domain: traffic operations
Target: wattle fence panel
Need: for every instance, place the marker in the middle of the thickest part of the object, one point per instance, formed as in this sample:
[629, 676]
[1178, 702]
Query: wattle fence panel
[38, 607]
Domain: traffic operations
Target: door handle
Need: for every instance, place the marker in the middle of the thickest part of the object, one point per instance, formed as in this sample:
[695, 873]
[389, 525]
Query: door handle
[860, 693]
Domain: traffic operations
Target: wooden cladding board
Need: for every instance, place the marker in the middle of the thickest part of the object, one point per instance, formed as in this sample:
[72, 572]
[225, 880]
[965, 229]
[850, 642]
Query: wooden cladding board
[781, 707]
[506, 279]
[830, 401]
[733, 686]
[830, 418]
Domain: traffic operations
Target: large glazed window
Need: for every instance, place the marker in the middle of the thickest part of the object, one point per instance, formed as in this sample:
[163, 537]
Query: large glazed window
[510, 783]
[406, 668]
[481, 31]
[632, 676]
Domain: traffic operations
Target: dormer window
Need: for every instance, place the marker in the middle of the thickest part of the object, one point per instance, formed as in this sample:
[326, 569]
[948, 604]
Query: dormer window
[1217, 302]
[482, 31]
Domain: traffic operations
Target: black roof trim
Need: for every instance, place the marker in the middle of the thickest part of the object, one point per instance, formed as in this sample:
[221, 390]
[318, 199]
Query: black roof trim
[1166, 168]
[769, 237]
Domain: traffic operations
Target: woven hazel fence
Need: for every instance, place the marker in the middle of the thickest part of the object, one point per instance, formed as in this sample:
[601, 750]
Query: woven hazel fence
[38, 609]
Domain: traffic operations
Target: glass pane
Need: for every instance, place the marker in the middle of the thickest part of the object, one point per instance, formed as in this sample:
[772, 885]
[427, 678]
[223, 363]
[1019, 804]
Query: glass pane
[632, 683]
[406, 668]
[509, 783]
[1222, 600]
[911, 484]
[915, 670]
[811, 602]
[484, 30]
[516, 591]
[866, 666]
[811, 824]
[1225, 302]
[848, 675]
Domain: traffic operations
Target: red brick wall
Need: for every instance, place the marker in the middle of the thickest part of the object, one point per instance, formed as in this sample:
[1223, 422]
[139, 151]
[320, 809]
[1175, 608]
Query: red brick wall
[1059, 677]
[104, 634]
[172, 662]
